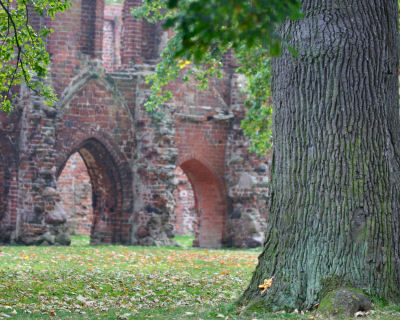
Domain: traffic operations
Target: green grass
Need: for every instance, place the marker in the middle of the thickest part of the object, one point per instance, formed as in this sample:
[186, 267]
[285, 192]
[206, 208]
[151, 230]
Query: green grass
[184, 241]
[80, 241]
[120, 282]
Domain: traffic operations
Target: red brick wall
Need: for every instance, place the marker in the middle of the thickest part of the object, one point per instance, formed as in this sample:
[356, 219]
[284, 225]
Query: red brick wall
[88, 27]
[101, 129]
[112, 36]
[4, 183]
[185, 210]
[8, 179]
[201, 155]
[210, 205]
[7, 188]
[9, 158]
[131, 162]
[77, 37]
[108, 220]
[140, 38]
[5, 177]
[132, 34]
[75, 191]
[247, 179]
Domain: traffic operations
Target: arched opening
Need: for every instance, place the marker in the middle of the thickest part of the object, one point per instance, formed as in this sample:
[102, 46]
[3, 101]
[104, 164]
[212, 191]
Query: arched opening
[75, 189]
[210, 206]
[106, 190]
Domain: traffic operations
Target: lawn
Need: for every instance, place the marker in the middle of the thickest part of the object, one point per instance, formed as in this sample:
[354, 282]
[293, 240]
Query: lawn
[128, 282]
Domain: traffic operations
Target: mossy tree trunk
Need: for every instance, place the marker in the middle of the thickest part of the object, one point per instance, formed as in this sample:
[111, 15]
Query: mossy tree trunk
[334, 212]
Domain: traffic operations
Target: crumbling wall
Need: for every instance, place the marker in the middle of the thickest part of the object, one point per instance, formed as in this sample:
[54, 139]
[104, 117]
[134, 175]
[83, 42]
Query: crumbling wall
[76, 41]
[131, 160]
[185, 222]
[9, 160]
[95, 121]
[247, 181]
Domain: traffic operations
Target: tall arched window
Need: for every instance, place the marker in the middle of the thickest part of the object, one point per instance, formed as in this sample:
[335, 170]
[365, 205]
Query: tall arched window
[88, 26]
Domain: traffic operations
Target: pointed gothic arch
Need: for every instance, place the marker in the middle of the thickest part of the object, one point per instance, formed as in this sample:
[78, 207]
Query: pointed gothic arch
[107, 191]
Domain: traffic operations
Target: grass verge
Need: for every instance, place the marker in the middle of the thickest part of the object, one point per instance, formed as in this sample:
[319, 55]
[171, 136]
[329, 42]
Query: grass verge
[121, 282]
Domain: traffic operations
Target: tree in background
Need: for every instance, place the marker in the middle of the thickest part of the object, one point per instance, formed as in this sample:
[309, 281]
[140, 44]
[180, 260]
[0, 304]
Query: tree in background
[23, 55]
[334, 212]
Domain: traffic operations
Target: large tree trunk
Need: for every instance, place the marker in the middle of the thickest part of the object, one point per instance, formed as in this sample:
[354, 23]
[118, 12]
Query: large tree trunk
[334, 213]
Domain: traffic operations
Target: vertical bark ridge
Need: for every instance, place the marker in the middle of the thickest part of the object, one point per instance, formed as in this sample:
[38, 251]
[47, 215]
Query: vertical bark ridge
[335, 172]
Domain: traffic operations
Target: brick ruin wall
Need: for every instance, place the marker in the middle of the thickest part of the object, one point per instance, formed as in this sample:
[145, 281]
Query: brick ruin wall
[75, 189]
[185, 206]
[100, 59]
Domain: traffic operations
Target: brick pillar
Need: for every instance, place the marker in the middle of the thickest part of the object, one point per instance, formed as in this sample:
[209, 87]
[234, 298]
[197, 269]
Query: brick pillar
[39, 218]
[132, 35]
[153, 171]
[247, 180]
[185, 211]
[8, 179]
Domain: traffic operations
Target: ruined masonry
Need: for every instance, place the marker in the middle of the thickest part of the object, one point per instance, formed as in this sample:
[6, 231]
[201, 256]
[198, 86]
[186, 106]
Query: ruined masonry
[131, 173]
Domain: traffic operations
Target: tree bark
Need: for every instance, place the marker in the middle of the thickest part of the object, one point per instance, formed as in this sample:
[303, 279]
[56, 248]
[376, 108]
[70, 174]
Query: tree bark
[334, 212]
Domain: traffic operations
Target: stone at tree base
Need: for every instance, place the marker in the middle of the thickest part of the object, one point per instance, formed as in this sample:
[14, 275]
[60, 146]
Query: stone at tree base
[343, 302]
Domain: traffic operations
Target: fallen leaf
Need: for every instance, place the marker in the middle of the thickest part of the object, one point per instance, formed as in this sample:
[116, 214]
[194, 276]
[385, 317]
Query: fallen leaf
[267, 284]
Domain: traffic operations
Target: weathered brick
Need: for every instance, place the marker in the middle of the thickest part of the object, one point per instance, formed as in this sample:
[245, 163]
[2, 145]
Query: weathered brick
[131, 163]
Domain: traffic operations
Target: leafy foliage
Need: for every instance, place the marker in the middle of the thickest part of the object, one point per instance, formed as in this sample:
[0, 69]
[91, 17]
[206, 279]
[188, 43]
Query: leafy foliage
[255, 66]
[23, 52]
[236, 23]
[206, 30]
